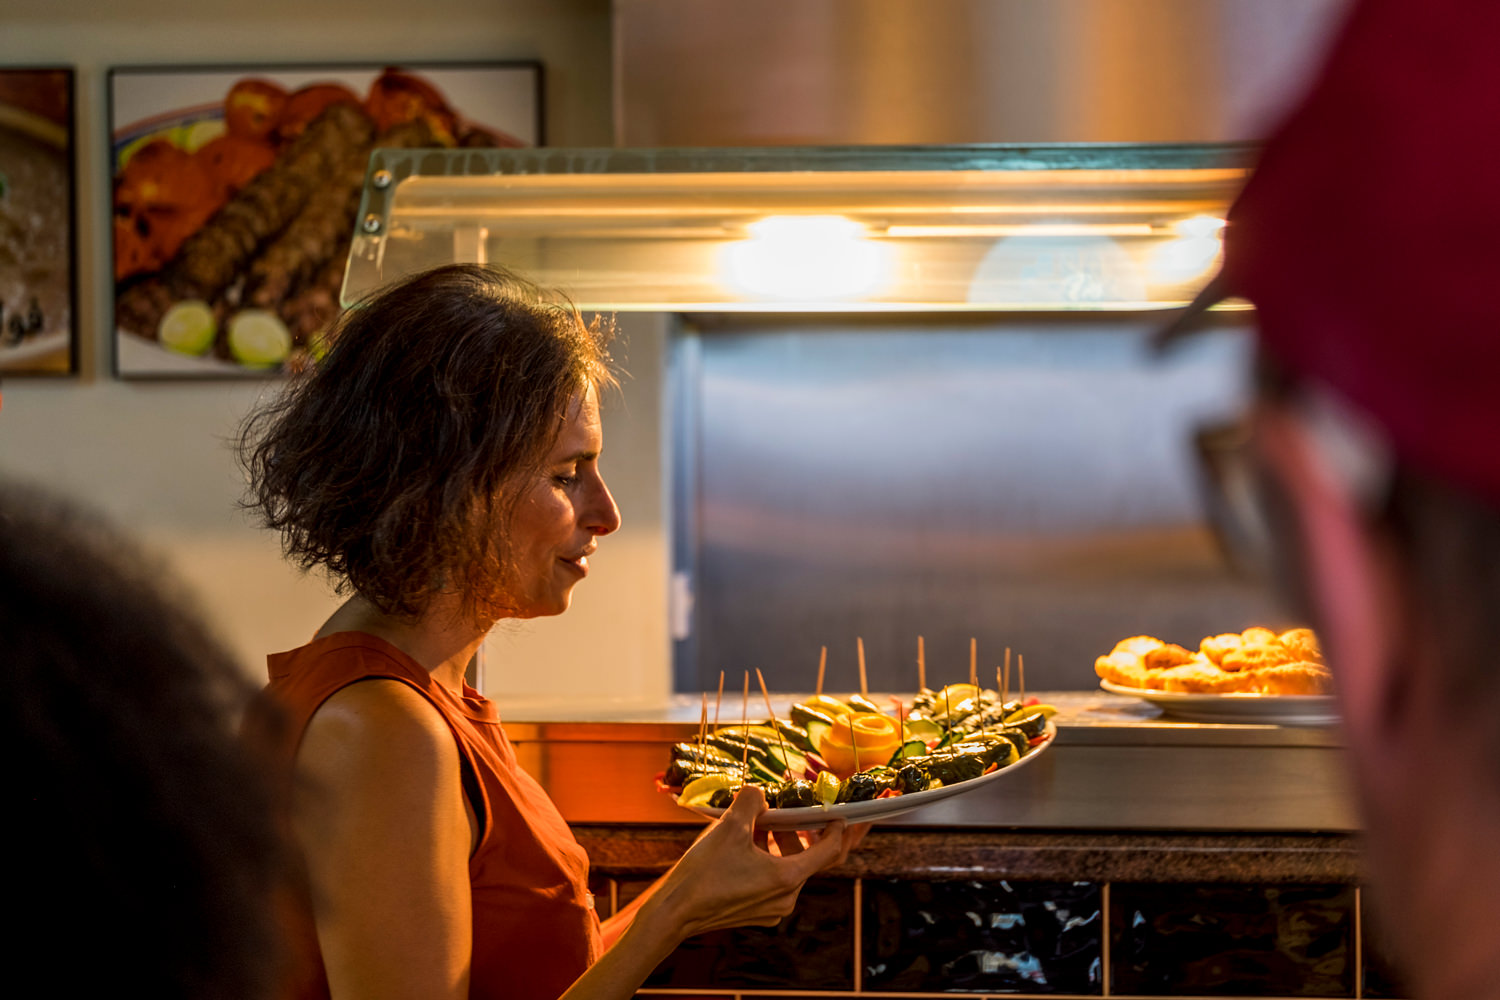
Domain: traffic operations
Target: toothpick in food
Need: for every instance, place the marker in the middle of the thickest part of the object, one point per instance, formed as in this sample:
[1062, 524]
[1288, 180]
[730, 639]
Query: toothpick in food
[822, 666]
[745, 724]
[785, 773]
[921, 666]
[864, 687]
[973, 663]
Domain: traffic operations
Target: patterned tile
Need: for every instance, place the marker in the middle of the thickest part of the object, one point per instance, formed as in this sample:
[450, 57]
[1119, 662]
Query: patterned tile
[813, 949]
[1171, 940]
[982, 937]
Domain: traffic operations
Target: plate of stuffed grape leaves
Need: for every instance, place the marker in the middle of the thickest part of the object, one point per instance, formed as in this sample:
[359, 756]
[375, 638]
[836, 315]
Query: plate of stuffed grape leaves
[847, 758]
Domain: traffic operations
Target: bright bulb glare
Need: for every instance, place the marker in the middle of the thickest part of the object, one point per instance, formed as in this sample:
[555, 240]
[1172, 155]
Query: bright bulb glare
[806, 258]
[1191, 255]
[1200, 227]
[1177, 261]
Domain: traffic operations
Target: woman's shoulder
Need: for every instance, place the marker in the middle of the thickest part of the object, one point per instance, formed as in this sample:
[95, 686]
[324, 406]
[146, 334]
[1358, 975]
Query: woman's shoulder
[376, 724]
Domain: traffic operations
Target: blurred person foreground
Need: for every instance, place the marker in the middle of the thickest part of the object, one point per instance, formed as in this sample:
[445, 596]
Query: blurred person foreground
[144, 855]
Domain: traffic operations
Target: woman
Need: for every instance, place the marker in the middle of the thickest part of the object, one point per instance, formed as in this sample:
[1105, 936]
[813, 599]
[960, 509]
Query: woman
[442, 463]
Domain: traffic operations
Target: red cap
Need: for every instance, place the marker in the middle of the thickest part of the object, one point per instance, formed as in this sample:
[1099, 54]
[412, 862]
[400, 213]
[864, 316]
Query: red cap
[1368, 237]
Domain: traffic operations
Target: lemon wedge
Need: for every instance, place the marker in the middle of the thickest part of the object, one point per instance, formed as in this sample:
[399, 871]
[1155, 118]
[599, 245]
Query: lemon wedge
[826, 788]
[698, 791]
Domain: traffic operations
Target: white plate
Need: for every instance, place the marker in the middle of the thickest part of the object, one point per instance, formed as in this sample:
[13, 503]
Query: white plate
[817, 817]
[1251, 709]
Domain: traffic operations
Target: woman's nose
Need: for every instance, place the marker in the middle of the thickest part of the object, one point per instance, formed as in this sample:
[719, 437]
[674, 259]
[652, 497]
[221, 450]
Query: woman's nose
[602, 516]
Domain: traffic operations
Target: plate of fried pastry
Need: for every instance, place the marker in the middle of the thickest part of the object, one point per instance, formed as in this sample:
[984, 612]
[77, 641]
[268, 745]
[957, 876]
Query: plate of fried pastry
[1255, 676]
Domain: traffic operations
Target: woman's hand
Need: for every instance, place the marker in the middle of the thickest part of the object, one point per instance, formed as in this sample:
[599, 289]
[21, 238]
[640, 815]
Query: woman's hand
[731, 878]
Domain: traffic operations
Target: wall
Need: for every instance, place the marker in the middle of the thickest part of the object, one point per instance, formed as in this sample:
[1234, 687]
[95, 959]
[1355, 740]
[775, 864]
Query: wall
[152, 454]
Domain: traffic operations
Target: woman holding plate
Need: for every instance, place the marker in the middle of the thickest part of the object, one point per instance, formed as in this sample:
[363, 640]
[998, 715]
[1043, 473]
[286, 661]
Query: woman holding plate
[442, 464]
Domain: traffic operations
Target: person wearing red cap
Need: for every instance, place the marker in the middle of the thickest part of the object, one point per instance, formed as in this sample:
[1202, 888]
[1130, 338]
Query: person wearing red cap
[1366, 239]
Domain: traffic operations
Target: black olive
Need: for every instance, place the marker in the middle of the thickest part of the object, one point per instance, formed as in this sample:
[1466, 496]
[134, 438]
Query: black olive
[17, 328]
[795, 795]
[858, 787]
[911, 778]
[34, 317]
[722, 798]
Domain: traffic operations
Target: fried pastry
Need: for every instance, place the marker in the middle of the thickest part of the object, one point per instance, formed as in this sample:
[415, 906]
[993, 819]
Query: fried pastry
[1302, 644]
[1256, 661]
[1164, 656]
[1215, 646]
[1140, 645]
[1256, 635]
[1294, 678]
[1255, 656]
[1200, 677]
[1123, 668]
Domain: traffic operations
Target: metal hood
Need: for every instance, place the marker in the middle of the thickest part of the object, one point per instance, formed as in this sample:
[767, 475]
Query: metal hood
[841, 72]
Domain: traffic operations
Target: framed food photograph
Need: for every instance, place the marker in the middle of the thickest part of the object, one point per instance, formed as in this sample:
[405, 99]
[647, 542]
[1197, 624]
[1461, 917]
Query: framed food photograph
[236, 189]
[38, 283]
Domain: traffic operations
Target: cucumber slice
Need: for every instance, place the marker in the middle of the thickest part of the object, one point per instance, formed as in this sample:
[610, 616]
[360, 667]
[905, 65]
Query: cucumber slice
[911, 748]
[923, 729]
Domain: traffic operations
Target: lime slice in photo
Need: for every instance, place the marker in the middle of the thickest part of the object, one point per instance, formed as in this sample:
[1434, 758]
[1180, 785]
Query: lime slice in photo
[258, 339]
[188, 327]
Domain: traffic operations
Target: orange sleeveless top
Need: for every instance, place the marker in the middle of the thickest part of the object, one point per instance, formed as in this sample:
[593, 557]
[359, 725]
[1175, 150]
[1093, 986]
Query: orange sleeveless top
[535, 929]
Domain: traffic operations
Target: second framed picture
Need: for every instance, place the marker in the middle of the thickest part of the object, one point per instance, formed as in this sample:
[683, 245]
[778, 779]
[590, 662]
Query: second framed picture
[236, 192]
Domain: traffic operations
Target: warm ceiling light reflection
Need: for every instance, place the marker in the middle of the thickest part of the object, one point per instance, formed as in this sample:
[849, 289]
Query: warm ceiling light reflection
[806, 258]
[1191, 254]
[1023, 229]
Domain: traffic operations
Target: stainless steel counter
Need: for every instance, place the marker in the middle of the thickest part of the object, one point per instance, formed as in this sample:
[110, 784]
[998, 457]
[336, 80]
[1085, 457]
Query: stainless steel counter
[1117, 764]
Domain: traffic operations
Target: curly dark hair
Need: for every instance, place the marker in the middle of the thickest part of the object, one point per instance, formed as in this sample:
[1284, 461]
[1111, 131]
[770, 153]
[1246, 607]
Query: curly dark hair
[391, 462]
[141, 827]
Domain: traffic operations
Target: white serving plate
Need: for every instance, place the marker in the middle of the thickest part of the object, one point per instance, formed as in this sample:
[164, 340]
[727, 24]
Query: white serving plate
[817, 817]
[1239, 707]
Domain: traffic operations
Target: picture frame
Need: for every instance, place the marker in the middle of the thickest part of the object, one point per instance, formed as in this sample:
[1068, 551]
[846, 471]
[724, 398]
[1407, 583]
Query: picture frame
[38, 230]
[235, 190]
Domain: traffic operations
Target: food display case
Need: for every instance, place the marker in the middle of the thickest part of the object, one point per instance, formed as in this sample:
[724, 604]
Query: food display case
[911, 391]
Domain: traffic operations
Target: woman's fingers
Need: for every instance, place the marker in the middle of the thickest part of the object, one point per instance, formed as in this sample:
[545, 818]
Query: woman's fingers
[788, 842]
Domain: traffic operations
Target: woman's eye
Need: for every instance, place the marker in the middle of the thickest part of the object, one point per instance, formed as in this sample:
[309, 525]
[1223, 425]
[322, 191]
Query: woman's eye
[565, 478]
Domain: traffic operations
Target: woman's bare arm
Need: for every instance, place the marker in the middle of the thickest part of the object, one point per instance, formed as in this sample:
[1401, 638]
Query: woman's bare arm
[381, 820]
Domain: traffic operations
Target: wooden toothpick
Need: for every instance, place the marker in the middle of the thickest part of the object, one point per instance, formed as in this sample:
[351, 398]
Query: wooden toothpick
[744, 724]
[973, 663]
[864, 687]
[822, 666]
[921, 666]
[780, 739]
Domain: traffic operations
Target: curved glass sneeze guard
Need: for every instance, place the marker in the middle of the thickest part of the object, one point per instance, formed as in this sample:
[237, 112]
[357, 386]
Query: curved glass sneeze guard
[952, 228]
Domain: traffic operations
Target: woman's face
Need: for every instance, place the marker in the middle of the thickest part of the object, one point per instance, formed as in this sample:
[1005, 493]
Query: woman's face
[559, 517]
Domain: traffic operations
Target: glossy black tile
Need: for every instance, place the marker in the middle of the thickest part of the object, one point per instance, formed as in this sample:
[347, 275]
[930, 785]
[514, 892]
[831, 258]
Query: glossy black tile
[813, 949]
[1229, 940]
[982, 937]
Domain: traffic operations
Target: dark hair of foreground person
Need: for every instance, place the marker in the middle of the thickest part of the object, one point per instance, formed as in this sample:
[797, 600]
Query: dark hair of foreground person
[143, 855]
